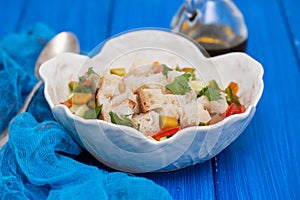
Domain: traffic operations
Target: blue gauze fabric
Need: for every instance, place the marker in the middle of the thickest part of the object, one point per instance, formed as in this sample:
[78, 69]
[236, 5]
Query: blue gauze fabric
[37, 163]
[18, 53]
[39, 160]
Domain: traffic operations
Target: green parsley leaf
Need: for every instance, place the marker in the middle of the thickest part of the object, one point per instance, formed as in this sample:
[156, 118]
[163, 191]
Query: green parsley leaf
[82, 79]
[87, 75]
[86, 89]
[83, 89]
[193, 76]
[187, 76]
[91, 71]
[93, 113]
[212, 93]
[178, 69]
[202, 124]
[98, 110]
[213, 84]
[180, 85]
[231, 98]
[166, 69]
[122, 120]
[89, 114]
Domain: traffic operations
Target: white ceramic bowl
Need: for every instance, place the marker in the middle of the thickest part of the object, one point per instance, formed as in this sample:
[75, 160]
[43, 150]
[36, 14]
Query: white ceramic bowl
[126, 149]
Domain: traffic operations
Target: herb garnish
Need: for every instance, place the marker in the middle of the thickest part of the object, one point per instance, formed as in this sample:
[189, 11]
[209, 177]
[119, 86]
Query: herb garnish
[90, 72]
[122, 120]
[212, 93]
[166, 69]
[83, 84]
[180, 84]
[93, 113]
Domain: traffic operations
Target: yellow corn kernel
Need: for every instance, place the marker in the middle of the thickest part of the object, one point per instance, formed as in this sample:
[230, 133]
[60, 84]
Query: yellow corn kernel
[118, 71]
[167, 122]
[163, 138]
[73, 85]
[80, 98]
[155, 63]
[188, 70]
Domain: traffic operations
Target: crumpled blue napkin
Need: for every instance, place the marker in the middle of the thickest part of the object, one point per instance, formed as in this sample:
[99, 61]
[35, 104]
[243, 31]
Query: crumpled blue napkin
[18, 54]
[38, 161]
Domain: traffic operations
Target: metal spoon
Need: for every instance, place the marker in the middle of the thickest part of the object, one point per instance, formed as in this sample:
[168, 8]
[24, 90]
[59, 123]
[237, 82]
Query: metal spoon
[62, 42]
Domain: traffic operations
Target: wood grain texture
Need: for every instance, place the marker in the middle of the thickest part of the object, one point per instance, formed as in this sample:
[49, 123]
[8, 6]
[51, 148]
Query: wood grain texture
[290, 10]
[87, 19]
[195, 182]
[140, 14]
[10, 14]
[263, 163]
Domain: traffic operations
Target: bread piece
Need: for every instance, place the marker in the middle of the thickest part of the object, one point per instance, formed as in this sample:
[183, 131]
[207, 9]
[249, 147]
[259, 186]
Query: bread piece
[109, 85]
[149, 122]
[149, 99]
[142, 70]
[171, 106]
[155, 80]
[106, 106]
[127, 94]
[125, 107]
[204, 115]
[94, 82]
[171, 75]
[192, 114]
[189, 115]
[218, 106]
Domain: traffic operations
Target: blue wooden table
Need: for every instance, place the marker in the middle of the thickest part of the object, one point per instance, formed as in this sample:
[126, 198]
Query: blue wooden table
[264, 162]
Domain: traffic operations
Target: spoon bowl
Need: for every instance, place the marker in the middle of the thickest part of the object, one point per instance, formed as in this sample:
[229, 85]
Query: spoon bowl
[62, 42]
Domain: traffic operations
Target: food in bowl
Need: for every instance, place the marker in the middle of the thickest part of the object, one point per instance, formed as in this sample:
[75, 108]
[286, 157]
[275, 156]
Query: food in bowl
[156, 99]
[127, 149]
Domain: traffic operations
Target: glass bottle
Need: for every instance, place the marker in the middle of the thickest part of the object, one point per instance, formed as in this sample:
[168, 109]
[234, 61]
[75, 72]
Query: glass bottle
[217, 25]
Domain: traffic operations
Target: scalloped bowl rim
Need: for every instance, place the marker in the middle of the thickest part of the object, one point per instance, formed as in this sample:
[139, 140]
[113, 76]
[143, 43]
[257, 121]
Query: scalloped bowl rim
[250, 109]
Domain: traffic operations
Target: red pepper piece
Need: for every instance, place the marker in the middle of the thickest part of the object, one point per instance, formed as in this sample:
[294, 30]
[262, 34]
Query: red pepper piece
[234, 109]
[67, 103]
[86, 82]
[166, 132]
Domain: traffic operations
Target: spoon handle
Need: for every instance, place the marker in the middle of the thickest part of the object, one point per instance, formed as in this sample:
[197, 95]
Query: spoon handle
[30, 96]
[3, 137]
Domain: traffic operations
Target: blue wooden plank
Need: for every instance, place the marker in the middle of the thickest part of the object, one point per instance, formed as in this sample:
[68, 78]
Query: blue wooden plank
[290, 8]
[150, 13]
[195, 182]
[263, 163]
[87, 19]
[10, 12]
